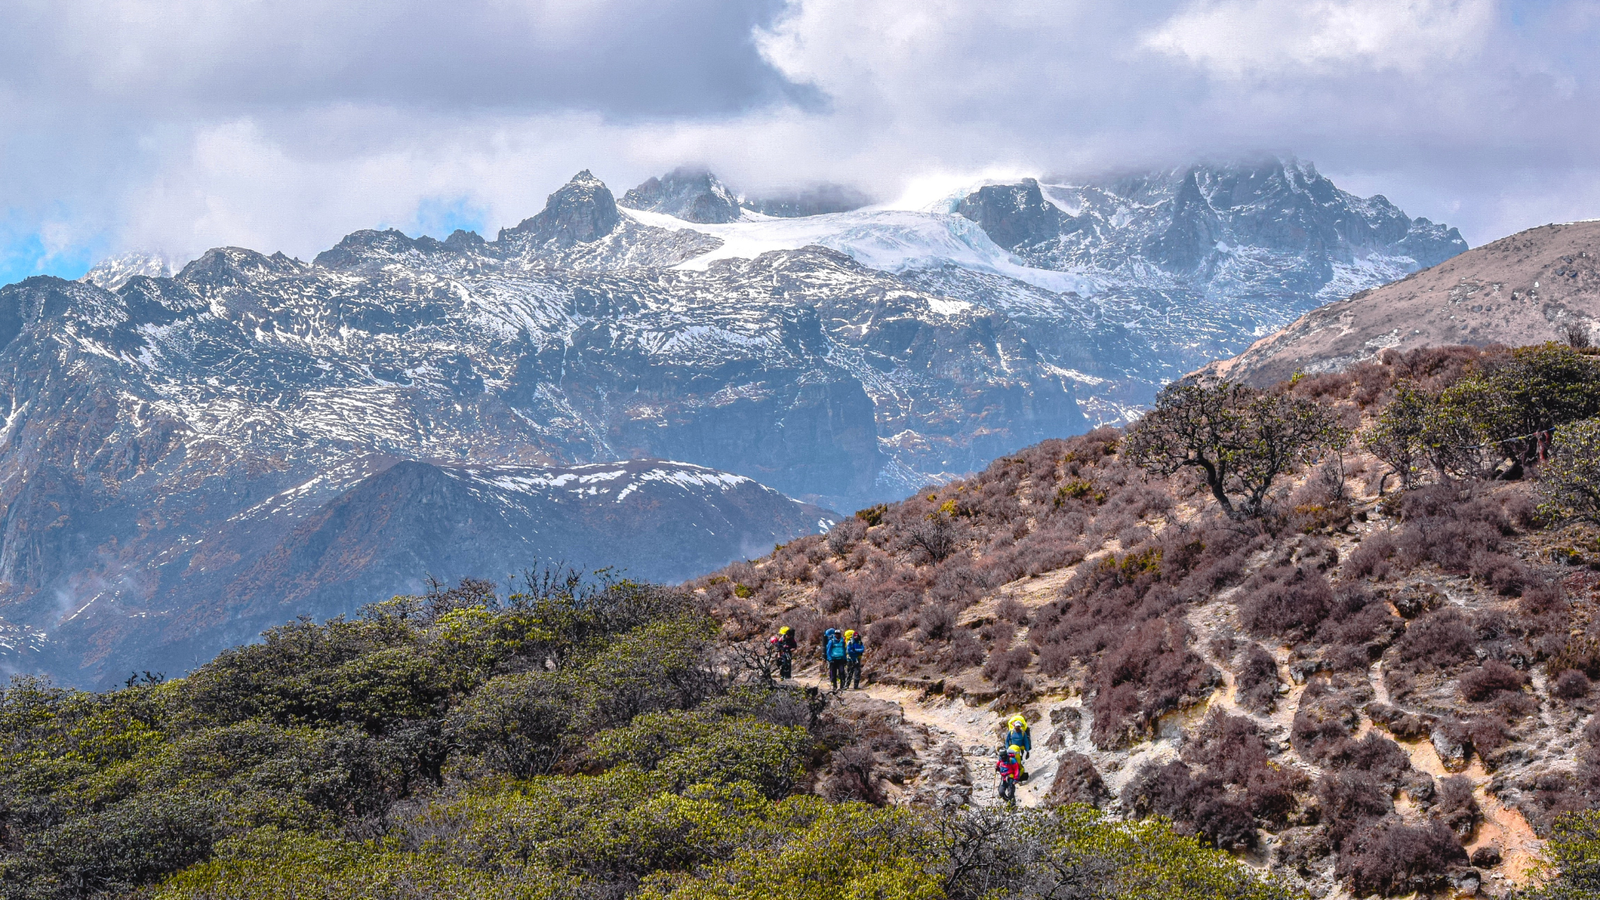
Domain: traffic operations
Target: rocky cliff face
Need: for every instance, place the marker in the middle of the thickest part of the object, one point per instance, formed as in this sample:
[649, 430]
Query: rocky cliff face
[688, 194]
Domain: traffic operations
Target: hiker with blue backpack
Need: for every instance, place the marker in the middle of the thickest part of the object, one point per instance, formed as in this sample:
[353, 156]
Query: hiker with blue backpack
[835, 651]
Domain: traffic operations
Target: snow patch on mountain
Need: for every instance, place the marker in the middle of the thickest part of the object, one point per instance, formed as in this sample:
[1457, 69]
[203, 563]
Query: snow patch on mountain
[888, 240]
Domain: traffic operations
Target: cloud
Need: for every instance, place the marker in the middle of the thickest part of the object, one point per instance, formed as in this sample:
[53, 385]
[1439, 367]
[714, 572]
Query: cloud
[183, 124]
[1265, 38]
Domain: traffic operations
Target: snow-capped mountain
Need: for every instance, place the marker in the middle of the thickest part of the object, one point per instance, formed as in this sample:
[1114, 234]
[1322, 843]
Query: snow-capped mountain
[1123, 284]
[185, 459]
[114, 272]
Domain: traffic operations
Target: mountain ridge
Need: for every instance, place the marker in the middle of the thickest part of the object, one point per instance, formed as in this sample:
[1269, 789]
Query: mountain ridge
[1542, 284]
[840, 359]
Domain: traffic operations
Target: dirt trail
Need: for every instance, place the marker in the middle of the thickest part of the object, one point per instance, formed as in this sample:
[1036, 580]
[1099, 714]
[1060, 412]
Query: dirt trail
[976, 730]
[1503, 826]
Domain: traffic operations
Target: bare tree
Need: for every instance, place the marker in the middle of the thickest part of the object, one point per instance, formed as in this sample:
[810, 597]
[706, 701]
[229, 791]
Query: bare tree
[935, 536]
[1240, 439]
[844, 535]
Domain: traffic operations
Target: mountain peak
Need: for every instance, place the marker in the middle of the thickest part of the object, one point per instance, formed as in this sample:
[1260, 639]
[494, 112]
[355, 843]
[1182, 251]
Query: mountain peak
[113, 272]
[1013, 214]
[691, 194]
[581, 211]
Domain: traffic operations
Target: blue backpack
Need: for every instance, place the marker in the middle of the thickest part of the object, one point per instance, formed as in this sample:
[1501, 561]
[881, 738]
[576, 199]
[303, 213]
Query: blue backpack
[835, 649]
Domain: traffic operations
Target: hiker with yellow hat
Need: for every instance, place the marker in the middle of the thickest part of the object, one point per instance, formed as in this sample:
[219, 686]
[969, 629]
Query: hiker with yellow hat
[853, 651]
[1017, 736]
[784, 643]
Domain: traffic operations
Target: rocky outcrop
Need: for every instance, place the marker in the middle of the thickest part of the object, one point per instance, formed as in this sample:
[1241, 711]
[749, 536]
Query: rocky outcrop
[694, 195]
[582, 211]
[1014, 215]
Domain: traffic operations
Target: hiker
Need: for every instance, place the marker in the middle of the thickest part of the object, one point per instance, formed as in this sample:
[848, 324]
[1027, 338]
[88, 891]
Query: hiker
[833, 650]
[1009, 767]
[853, 651]
[785, 644]
[1017, 736]
[826, 637]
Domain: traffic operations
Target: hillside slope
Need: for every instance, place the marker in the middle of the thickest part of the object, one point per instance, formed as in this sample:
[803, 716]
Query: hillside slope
[1538, 285]
[1374, 692]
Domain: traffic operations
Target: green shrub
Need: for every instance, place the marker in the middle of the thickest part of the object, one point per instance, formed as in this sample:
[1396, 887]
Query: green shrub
[693, 747]
[1572, 860]
[1570, 480]
[273, 865]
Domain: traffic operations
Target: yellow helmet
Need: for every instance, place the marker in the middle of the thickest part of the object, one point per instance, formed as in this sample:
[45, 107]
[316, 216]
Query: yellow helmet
[849, 634]
[783, 630]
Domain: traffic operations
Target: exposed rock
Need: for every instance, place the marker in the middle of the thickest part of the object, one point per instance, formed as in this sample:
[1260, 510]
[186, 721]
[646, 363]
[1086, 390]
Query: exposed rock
[1453, 746]
[582, 211]
[1466, 882]
[1076, 781]
[1403, 725]
[1420, 787]
[1486, 857]
[1067, 721]
[693, 195]
[1014, 215]
[1415, 600]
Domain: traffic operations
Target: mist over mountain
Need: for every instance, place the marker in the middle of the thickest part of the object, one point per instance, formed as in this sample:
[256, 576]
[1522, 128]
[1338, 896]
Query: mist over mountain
[189, 457]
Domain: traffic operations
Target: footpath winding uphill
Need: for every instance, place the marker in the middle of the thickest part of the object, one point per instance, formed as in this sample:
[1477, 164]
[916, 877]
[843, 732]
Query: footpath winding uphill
[975, 733]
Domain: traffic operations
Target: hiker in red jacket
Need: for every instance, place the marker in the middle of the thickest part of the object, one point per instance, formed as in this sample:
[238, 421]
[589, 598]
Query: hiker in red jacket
[1009, 768]
[785, 644]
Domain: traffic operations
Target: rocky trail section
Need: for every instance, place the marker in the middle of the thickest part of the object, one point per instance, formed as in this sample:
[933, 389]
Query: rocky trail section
[975, 733]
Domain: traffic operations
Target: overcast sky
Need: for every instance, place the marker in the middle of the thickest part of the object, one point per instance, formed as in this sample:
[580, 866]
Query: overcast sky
[284, 124]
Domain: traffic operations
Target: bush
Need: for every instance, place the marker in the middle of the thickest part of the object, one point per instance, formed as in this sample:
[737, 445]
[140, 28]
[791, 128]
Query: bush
[1371, 558]
[1392, 858]
[694, 747]
[1285, 601]
[269, 864]
[1456, 807]
[1007, 670]
[935, 537]
[1441, 639]
[1202, 807]
[1574, 854]
[1569, 484]
[845, 534]
[1257, 680]
[1572, 685]
[130, 844]
[1373, 754]
[1350, 800]
[1151, 673]
[1489, 680]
